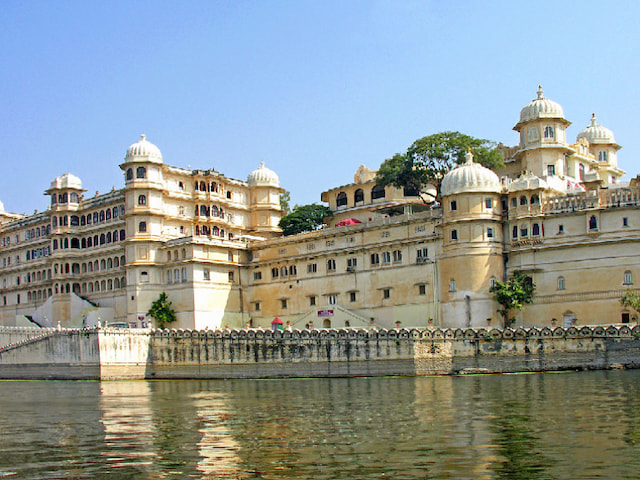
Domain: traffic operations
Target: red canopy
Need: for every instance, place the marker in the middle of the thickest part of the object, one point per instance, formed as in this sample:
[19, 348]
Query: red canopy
[277, 321]
[347, 221]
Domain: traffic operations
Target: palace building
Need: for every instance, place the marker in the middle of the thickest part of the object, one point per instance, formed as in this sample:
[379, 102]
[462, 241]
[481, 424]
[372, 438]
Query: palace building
[557, 211]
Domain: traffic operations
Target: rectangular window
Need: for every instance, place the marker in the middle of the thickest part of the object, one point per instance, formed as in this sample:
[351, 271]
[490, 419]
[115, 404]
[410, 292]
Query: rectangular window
[231, 277]
[625, 222]
[452, 285]
[331, 265]
[386, 293]
[488, 203]
[453, 205]
[169, 276]
[283, 303]
[524, 231]
[489, 232]
[257, 275]
[627, 278]
[422, 289]
[352, 262]
[352, 296]
[312, 267]
[206, 274]
[551, 170]
[332, 299]
[397, 256]
[375, 259]
[454, 234]
[386, 257]
[422, 255]
[256, 307]
[560, 228]
[312, 301]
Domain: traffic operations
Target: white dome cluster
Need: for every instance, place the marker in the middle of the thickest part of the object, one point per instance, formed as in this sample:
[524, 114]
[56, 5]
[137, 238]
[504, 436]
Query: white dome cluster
[66, 181]
[263, 177]
[596, 134]
[145, 150]
[470, 177]
[541, 107]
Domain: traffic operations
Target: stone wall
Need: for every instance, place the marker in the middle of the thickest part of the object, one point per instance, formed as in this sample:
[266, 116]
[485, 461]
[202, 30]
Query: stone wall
[130, 353]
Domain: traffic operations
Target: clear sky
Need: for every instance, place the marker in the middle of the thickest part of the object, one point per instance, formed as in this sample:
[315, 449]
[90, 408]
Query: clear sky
[312, 88]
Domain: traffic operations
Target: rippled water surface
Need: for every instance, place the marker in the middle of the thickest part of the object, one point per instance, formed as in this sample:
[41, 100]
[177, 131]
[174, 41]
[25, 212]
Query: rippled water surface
[540, 426]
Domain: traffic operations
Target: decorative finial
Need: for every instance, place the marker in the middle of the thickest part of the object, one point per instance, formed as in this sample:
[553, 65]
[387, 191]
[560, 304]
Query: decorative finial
[261, 164]
[469, 156]
[593, 120]
[143, 137]
[540, 92]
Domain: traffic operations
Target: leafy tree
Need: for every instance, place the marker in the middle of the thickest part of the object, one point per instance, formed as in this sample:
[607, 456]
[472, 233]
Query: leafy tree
[513, 294]
[285, 202]
[162, 311]
[430, 158]
[304, 218]
[631, 299]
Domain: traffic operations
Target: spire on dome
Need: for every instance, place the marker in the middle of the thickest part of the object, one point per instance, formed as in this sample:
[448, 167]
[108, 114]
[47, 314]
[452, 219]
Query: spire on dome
[469, 157]
[540, 92]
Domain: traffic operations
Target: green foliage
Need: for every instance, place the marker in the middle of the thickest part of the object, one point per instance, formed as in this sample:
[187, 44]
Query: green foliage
[513, 294]
[285, 202]
[631, 299]
[162, 311]
[304, 218]
[430, 158]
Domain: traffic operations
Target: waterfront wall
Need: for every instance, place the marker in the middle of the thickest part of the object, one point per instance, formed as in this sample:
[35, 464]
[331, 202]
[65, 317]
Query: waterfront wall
[108, 353]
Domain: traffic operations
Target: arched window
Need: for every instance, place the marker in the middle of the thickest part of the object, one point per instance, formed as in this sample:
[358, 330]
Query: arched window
[141, 172]
[108, 237]
[142, 199]
[75, 221]
[83, 221]
[89, 242]
[341, 199]
[75, 243]
[142, 227]
[102, 215]
[283, 271]
[203, 187]
[561, 285]
[377, 192]
[122, 235]
[74, 197]
[108, 214]
[116, 262]
[593, 223]
[535, 231]
[523, 200]
[535, 199]
[54, 221]
[103, 265]
[116, 283]
[54, 199]
[115, 212]
[358, 196]
[581, 172]
[204, 211]
[95, 217]
[103, 239]
[129, 174]
[602, 156]
[549, 132]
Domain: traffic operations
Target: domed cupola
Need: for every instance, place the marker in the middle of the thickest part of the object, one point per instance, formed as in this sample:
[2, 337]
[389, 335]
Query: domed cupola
[470, 177]
[541, 108]
[143, 150]
[596, 134]
[263, 177]
[66, 181]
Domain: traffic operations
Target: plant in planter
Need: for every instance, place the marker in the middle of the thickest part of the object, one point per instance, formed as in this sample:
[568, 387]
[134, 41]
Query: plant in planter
[554, 321]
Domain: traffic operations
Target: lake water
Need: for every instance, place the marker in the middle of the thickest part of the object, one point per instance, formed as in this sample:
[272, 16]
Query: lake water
[577, 425]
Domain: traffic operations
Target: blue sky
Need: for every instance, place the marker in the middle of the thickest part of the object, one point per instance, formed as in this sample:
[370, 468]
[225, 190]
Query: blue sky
[312, 88]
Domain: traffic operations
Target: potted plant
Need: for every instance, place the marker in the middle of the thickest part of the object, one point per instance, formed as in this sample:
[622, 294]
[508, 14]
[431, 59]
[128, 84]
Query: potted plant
[554, 321]
[398, 323]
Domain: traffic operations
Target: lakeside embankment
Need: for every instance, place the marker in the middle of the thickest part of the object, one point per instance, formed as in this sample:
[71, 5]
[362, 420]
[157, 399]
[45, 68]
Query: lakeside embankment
[110, 353]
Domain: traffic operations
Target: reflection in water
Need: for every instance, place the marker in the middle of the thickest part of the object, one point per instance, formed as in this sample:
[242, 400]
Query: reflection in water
[542, 426]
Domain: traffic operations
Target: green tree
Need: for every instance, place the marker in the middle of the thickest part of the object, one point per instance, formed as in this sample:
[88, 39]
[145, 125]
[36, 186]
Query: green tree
[285, 202]
[162, 311]
[304, 218]
[513, 294]
[429, 159]
[631, 299]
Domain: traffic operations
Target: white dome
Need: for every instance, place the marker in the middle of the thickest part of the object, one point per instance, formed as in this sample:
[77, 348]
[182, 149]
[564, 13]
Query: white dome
[528, 181]
[470, 177]
[541, 107]
[66, 181]
[263, 177]
[595, 133]
[145, 149]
